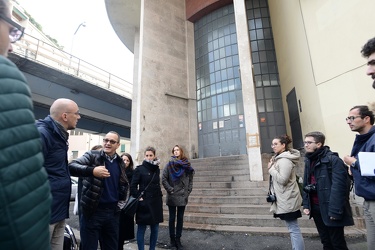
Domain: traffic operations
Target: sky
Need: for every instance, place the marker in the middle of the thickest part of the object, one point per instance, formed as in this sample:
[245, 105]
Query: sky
[97, 43]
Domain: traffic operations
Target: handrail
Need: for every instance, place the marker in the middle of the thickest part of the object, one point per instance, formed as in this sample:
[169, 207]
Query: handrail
[36, 50]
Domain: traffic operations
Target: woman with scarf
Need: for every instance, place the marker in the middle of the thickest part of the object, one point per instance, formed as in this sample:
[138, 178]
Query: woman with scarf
[178, 182]
[146, 178]
[283, 182]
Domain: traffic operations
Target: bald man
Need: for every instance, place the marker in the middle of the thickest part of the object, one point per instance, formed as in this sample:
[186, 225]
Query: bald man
[64, 116]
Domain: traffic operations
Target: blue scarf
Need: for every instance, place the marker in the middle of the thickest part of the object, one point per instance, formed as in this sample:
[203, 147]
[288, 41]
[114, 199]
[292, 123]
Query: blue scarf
[178, 167]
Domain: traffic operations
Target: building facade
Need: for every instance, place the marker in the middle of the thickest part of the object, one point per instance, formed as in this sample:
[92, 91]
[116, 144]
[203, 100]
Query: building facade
[225, 77]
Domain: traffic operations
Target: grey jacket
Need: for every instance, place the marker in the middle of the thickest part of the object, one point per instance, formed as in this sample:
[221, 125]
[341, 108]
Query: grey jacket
[177, 193]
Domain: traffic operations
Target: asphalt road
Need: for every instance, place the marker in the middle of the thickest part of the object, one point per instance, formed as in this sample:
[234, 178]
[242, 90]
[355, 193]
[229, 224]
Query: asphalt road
[209, 240]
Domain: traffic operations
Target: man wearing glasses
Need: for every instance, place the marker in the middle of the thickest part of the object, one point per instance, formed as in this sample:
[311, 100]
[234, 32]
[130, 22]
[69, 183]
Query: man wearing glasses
[361, 120]
[64, 116]
[105, 190]
[326, 192]
[25, 198]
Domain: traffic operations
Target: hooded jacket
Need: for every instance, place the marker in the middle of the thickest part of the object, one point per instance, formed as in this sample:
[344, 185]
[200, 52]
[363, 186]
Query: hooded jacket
[284, 182]
[25, 197]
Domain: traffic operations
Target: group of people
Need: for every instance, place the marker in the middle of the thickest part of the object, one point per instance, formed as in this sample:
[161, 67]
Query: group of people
[326, 183]
[107, 180]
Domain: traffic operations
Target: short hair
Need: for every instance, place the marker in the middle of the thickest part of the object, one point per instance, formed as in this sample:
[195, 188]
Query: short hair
[152, 149]
[131, 164]
[284, 139]
[318, 136]
[97, 147]
[182, 154]
[364, 111]
[368, 48]
[118, 136]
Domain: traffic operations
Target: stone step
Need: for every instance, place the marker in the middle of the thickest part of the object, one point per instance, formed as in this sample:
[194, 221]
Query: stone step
[222, 178]
[242, 184]
[228, 191]
[216, 172]
[235, 200]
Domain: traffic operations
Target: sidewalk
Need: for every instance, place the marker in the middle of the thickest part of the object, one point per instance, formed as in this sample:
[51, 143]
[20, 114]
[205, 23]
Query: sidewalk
[219, 240]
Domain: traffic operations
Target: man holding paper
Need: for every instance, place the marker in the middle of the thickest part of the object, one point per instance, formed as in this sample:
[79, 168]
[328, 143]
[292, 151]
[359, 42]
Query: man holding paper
[361, 120]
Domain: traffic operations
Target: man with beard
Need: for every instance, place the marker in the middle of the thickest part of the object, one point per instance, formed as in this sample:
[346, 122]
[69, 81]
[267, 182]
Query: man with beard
[361, 120]
[368, 51]
[326, 192]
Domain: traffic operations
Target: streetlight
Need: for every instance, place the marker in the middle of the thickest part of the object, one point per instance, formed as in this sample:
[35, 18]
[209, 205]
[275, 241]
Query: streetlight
[83, 24]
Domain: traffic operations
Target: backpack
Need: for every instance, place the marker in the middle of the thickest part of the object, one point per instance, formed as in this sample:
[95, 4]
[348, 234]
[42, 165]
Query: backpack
[349, 178]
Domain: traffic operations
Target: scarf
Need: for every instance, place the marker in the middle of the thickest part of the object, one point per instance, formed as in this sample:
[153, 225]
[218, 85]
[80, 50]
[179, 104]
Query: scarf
[177, 167]
[360, 140]
[155, 162]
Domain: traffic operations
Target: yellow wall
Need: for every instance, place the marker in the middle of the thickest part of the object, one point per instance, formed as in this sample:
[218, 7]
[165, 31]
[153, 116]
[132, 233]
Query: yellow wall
[318, 47]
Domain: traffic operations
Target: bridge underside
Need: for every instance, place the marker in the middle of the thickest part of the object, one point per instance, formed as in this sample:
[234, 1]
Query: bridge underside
[101, 110]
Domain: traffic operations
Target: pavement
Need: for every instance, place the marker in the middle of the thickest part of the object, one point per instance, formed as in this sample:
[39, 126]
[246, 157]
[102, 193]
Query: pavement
[227, 239]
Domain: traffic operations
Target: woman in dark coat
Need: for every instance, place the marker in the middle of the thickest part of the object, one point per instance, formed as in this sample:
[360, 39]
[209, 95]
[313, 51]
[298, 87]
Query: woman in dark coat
[126, 231]
[178, 182]
[150, 206]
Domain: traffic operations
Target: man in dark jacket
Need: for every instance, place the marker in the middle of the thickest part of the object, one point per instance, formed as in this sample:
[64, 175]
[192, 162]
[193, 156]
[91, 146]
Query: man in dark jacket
[326, 192]
[361, 120]
[104, 193]
[64, 115]
[25, 198]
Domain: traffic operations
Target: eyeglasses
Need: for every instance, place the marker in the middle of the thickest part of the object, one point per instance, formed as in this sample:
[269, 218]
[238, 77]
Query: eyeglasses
[16, 32]
[274, 145]
[351, 118]
[308, 142]
[110, 141]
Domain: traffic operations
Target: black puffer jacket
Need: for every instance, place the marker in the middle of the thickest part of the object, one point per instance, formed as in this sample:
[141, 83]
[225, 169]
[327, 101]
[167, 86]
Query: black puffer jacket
[150, 210]
[92, 186]
[332, 188]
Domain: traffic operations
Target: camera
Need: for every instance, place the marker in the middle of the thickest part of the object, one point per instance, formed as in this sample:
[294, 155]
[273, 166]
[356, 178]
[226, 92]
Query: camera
[311, 188]
[271, 198]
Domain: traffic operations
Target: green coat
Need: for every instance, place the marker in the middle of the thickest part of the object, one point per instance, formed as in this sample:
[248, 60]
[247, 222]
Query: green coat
[25, 198]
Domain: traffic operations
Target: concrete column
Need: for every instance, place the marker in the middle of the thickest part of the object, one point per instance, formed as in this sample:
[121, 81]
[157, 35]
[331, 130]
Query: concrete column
[163, 110]
[248, 92]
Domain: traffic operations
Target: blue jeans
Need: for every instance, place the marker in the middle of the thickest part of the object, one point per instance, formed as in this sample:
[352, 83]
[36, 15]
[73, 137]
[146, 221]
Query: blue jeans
[141, 236]
[369, 215]
[104, 223]
[176, 231]
[295, 235]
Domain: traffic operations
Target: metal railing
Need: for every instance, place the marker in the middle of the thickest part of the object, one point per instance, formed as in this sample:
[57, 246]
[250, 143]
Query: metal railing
[36, 50]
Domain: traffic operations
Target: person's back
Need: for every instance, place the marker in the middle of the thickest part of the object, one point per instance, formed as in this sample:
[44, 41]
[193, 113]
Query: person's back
[24, 189]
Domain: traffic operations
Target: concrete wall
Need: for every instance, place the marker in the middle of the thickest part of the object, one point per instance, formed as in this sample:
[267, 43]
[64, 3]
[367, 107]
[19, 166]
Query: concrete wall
[164, 110]
[318, 47]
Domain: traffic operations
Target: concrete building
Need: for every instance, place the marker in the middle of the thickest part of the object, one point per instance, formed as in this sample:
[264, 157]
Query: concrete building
[223, 77]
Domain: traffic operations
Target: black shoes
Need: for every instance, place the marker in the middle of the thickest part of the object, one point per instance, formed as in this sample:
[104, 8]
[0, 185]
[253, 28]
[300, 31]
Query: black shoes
[173, 244]
[178, 244]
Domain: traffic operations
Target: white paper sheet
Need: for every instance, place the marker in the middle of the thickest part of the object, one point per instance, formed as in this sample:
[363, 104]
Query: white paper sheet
[367, 163]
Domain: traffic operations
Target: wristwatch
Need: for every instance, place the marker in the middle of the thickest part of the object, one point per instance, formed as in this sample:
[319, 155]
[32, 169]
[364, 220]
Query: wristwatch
[353, 164]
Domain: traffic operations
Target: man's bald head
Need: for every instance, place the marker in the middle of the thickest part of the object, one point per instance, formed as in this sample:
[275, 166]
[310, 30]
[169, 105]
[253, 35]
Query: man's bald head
[60, 111]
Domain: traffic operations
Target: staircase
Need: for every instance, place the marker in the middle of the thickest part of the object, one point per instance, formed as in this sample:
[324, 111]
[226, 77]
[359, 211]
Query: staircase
[224, 199]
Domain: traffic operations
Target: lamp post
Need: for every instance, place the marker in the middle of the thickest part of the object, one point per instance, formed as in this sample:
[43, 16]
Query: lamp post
[83, 24]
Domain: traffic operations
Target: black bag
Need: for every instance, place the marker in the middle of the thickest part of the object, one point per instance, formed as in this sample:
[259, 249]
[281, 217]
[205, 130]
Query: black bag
[131, 206]
[271, 196]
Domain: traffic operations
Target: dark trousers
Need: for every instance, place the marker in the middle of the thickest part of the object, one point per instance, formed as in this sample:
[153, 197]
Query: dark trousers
[126, 231]
[103, 224]
[176, 230]
[332, 238]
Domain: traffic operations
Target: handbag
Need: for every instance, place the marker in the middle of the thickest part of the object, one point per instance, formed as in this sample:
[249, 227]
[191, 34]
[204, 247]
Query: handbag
[130, 207]
[271, 196]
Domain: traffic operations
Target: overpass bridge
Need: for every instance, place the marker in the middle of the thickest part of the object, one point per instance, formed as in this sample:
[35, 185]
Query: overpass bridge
[104, 99]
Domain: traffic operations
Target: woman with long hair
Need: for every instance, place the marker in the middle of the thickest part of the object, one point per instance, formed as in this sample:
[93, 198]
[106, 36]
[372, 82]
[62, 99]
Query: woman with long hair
[177, 180]
[283, 181]
[146, 178]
